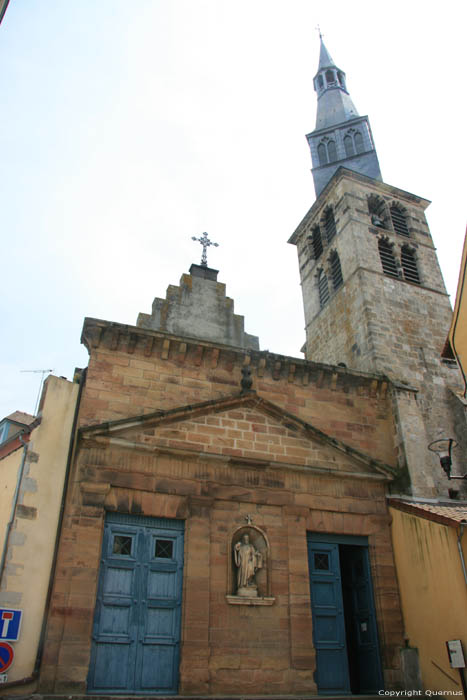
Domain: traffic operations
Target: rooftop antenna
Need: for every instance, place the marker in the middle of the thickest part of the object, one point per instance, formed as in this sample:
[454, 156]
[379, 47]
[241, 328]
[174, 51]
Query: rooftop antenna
[43, 372]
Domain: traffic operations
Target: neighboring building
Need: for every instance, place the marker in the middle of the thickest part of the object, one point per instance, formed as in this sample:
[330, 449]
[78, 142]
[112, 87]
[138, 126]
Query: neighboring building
[32, 466]
[226, 527]
[430, 548]
[456, 346]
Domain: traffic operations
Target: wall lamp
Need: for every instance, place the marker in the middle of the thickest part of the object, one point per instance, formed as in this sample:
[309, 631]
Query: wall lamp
[443, 448]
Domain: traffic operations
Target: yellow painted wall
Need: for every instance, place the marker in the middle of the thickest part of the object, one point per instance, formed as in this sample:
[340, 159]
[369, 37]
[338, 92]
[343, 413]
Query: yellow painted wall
[30, 552]
[433, 593]
[9, 467]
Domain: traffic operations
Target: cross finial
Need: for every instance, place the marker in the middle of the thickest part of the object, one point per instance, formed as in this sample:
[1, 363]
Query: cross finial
[205, 242]
[318, 29]
[249, 519]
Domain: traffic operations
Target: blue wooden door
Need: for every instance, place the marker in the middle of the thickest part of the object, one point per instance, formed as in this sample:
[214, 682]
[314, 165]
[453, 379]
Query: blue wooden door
[364, 622]
[136, 633]
[327, 607]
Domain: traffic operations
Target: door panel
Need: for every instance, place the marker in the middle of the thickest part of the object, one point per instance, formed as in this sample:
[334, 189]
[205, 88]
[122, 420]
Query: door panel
[136, 630]
[364, 622]
[328, 618]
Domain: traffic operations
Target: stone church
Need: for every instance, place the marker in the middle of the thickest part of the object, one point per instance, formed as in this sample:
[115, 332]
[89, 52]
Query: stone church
[226, 528]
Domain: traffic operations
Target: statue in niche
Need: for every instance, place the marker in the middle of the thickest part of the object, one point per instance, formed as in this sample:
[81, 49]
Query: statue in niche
[247, 560]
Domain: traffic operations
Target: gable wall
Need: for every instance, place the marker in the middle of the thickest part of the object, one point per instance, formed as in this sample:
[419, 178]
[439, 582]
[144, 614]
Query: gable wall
[120, 384]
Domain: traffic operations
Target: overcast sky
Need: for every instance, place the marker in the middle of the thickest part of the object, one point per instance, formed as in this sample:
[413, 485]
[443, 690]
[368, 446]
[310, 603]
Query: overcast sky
[129, 127]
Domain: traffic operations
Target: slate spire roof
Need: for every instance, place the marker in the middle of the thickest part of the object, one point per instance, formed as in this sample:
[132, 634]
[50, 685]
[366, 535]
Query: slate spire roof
[325, 60]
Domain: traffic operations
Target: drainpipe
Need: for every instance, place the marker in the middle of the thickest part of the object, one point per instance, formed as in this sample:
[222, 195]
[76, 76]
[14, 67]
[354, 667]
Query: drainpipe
[40, 649]
[13, 507]
[463, 525]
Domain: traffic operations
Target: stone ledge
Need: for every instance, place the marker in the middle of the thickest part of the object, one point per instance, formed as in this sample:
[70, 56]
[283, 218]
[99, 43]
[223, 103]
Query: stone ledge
[238, 600]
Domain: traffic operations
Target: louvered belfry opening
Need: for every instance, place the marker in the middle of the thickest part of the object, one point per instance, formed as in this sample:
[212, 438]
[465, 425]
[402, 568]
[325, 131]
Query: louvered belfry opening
[323, 288]
[316, 242]
[377, 211]
[409, 265]
[329, 225]
[388, 260]
[399, 220]
[336, 271]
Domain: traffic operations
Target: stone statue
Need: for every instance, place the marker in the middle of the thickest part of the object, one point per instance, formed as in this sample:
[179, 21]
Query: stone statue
[248, 560]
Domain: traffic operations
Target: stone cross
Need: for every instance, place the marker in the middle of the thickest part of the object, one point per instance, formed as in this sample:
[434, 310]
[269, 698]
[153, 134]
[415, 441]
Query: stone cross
[249, 519]
[205, 242]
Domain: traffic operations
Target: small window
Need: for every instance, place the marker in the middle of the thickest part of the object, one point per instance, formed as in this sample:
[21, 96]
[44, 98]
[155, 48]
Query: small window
[316, 242]
[409, 265]
[399, 220]
[330, 77]
[122, 545]
[323, 288]
[388, 261]
[321, 561]
[332, 152]
[329, 225]
[163, 549]
[322, 154]
[336, 272]
[348, 145]
[358, 140]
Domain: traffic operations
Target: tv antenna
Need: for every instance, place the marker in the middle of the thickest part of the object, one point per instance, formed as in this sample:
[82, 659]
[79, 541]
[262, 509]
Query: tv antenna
[43, 372]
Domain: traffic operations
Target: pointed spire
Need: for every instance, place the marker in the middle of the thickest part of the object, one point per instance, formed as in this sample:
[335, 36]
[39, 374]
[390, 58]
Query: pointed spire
[341, 137]
[325, 60]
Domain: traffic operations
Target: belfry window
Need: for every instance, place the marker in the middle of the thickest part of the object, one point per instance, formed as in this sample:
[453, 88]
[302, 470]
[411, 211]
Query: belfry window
[320, 82]
[340, 75]
[329, 224]
[327, 152]
[348, 145]
[335, 268]
[409, 265]
[332, 152]
[358, 140]
[316, 242]
[377, 211]
[323, 288]
[399, 220]
[322, 154]
[388, 260]
[330, 77]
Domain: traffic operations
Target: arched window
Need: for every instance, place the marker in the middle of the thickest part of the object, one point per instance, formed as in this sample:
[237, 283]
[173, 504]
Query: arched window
[358, 140]
[409, 265]
[399, 220]
[348, 145]
[322, 154]
[388, 261]
[330, 77]
[316, 242]
[323, 288]
[377, 211]
[335, 268]
[332, 153]
[320, 82]
[329, 224]
[340, 75]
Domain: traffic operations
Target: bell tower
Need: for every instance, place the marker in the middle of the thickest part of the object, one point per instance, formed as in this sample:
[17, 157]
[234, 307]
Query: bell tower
[373, 293]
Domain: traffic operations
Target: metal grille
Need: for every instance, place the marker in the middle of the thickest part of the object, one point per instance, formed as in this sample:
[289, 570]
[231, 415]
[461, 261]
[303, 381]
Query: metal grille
[321, 561]
[399, 221]
[323, 289]
[336, 272]
[316, 243]
[388, 260]
[122, 545]
[409, 266]
[163, 549]
[329, 225]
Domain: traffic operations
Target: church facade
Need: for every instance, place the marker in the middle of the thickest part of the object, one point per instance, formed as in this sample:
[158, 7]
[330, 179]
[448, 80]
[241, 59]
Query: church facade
[226, 529]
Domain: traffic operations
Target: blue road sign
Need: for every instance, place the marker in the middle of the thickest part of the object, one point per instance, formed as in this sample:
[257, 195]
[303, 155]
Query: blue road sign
[10, 623]
[6, 656]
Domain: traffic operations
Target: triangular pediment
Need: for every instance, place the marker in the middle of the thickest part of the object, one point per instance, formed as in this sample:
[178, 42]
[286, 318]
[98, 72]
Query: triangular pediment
[242, 428]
